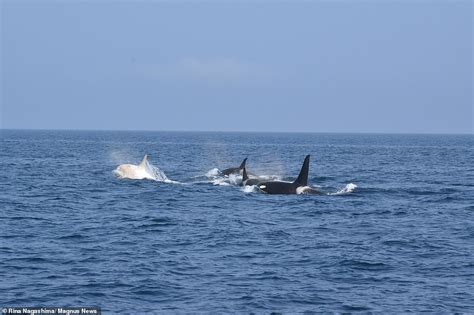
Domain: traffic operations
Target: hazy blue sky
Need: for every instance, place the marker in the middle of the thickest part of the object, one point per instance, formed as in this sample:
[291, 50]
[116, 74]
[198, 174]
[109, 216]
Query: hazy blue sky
[323, 66]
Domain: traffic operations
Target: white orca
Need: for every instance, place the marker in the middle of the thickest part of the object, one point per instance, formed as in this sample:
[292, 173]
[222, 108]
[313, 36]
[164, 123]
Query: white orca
[140, 171]
[299, 186]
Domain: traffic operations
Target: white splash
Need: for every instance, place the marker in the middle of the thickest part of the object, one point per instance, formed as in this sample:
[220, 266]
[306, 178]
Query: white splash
[307, 190]
[301, 190]
[250, 189]
[232, 179]
[213, 173]
[267, 177]
[217, 178]
[346, 190]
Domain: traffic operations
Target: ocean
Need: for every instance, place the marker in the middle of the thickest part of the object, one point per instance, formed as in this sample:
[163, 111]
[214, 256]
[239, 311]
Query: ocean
[391, 231]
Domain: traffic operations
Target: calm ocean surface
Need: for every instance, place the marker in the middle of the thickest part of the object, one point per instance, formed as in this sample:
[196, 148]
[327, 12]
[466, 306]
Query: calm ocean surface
[72, 234]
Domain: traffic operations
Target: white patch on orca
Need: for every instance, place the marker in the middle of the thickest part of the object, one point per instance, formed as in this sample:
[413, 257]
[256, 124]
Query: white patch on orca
[144, 170]
[262, 186]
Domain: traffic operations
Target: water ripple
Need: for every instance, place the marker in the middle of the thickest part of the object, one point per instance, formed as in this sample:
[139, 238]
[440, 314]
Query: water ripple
[402, 241]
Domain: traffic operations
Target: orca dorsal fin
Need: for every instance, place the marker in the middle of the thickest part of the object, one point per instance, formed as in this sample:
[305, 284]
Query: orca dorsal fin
[144, 161]
[302, 179]
[242, 165]
[244, 175]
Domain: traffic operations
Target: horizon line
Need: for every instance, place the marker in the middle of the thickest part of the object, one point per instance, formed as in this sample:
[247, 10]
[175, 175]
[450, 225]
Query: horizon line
[243, 131]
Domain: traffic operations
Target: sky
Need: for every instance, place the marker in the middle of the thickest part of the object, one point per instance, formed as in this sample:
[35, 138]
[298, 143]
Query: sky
[241, 65]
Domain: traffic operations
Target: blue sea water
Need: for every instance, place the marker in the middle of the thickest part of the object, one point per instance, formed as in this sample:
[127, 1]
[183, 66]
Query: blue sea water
[73, 234]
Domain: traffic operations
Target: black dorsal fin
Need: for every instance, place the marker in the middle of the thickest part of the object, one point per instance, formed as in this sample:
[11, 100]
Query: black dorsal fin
[244, 175]
[302, 179]
[242, 165]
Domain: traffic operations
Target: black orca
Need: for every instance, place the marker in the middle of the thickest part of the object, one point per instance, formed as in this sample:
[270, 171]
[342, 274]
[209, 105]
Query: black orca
[235, 170]
[246, 181]
[297, 187]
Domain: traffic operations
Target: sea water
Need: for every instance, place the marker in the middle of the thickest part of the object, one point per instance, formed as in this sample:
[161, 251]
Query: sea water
[392, 230]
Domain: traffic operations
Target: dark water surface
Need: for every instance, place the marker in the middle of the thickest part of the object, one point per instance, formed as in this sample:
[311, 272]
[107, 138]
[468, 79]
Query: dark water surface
[72, 234]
